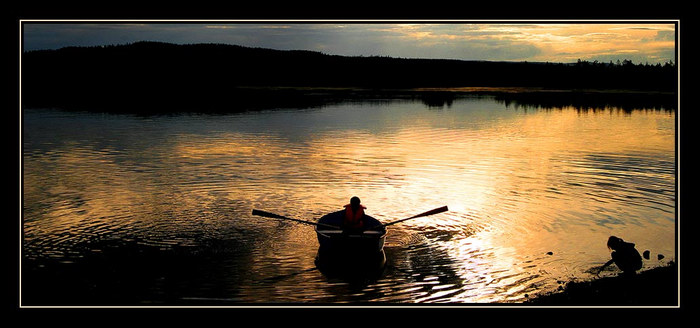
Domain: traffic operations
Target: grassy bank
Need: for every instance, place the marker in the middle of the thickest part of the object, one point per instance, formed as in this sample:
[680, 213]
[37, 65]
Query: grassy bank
[654, 287]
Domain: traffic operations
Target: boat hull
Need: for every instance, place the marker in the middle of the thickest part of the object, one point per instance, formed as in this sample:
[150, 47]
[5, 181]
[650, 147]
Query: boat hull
[347, 243]
[350, 255]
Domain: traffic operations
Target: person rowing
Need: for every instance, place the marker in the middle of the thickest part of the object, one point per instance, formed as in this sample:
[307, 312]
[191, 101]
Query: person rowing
[354, 217]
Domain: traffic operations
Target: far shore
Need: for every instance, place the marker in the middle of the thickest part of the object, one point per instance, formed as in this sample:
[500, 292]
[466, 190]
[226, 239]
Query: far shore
[247, 98]
[229, 78]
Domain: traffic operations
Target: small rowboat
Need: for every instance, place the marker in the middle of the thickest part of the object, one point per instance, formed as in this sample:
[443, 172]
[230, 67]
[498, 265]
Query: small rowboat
[366, 242]
[350, 255]
[338, 244]
[346, 253]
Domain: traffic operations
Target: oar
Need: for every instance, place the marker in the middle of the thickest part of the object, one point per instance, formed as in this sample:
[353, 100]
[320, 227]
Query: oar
[275, 216]
[431, 212]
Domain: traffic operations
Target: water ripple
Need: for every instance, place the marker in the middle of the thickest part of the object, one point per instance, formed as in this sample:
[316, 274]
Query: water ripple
[532, 197]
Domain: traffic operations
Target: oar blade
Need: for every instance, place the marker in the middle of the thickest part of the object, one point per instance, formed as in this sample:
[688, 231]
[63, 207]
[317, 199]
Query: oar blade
[267, 214]
[431, 212]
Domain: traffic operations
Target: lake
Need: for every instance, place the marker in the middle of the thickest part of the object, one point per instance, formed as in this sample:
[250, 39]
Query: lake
[122, 209]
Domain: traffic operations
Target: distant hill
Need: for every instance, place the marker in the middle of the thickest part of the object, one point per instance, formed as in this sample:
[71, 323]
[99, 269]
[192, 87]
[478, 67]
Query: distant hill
[161, 72]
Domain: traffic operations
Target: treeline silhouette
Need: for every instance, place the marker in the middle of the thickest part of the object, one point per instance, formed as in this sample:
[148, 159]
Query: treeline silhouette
[218, 75]
[589, 101]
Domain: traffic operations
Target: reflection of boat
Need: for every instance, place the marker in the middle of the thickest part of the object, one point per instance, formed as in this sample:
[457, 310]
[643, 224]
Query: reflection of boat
[352, 267]
[358, 243]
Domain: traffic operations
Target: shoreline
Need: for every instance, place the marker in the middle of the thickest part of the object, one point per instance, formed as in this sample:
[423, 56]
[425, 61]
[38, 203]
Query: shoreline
[657, 287]
[252, 98]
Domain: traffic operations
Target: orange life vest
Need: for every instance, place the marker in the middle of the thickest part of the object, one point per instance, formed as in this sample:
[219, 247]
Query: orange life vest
[353, 219]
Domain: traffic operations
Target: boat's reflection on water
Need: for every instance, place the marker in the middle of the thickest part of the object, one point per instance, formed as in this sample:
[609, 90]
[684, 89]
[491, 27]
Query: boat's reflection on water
[350, 267]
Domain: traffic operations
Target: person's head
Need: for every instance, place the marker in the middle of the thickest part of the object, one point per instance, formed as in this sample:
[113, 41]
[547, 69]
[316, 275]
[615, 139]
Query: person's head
[355, 202]
[614, 242]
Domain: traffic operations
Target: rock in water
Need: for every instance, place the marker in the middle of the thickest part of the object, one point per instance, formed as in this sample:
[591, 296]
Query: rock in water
[660, 257]
[646, 254]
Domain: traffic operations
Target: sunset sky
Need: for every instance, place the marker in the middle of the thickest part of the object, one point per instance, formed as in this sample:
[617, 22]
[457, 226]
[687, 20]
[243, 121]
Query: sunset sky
[548, 41]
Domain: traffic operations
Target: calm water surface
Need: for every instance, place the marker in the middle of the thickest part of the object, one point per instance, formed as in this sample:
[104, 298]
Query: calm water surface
[121, 209]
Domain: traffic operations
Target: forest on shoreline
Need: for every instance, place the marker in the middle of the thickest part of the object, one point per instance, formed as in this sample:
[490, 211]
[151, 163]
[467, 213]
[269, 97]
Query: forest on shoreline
[148, 74]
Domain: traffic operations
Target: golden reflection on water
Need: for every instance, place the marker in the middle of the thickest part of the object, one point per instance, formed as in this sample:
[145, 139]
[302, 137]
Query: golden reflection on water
[518, 184]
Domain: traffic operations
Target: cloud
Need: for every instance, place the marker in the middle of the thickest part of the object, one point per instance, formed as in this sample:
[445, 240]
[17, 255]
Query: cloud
[220, 26]
[665, 36]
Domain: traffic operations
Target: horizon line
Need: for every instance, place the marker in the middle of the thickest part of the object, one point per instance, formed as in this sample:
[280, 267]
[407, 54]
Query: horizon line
[348, 56]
